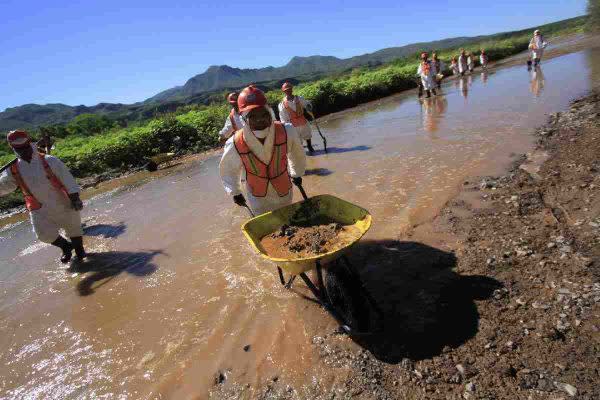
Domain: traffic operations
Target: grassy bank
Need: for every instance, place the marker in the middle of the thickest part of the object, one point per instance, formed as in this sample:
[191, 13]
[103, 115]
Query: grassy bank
[123, 148]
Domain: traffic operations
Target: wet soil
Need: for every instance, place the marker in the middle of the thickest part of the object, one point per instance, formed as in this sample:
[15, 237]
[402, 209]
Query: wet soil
[510, 311]
[294, 242]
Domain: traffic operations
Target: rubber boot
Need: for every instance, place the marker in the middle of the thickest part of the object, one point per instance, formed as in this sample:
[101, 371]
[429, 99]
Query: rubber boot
[428, 93]
[434, 92]
[309, 146]
[78, 247]
[66, 247]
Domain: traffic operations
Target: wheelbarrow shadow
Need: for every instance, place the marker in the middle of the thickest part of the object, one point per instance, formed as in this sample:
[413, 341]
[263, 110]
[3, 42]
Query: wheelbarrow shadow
[426, 306]
[338, 150]
[101, 268]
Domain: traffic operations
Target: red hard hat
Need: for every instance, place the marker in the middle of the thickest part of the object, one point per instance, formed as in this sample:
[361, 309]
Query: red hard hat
[287, 86]
[232, 98]
[18, 139]
[251, 98]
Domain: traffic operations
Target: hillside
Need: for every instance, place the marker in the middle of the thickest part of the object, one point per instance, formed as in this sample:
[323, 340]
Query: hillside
[209, 86]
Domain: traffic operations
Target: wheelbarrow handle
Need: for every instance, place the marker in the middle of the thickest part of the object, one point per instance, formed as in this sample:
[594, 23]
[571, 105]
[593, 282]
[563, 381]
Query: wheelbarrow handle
[299, 185]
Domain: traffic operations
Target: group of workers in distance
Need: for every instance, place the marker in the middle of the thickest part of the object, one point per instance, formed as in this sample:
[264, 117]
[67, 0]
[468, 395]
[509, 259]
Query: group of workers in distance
[430, 72]
[262, 154]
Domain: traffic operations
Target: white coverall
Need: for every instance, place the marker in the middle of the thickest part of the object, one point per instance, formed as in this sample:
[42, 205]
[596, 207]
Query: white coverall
[537, 46]
[304, 132]
[426, 79]
[232, 169]
[228, 130]
[454, 68]
[434, 69]
[470, 63]
[462, 64]
[56, 211]
[483, 61]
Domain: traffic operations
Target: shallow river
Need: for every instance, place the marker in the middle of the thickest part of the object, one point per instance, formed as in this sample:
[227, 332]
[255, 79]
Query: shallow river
[175, 293]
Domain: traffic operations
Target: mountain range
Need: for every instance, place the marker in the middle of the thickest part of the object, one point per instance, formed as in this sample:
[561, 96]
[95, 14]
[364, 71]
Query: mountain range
[210, 85]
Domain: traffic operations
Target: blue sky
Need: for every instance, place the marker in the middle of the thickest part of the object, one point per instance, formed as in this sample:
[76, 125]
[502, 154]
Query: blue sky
[85, 52]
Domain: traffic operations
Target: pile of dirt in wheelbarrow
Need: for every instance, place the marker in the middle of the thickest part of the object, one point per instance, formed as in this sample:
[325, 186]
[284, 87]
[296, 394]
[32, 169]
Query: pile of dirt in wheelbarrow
[293, 242]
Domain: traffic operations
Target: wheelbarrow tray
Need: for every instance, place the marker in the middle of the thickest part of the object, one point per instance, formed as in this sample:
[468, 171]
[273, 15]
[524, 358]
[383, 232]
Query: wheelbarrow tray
[325, 206]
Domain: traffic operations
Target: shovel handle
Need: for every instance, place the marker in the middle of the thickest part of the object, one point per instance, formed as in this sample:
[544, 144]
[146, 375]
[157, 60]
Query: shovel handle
[7, 165]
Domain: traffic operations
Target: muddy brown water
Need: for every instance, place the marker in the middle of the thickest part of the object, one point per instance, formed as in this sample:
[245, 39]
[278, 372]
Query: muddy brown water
[174, 292]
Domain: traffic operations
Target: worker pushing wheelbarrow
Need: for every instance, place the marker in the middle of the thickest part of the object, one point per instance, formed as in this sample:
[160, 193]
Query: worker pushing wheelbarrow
[270, 158]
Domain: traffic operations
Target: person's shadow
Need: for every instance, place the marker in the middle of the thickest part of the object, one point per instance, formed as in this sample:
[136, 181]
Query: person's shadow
[105, 230]
[318, 172]
[101, 268]
[426, 306]
[336, 150]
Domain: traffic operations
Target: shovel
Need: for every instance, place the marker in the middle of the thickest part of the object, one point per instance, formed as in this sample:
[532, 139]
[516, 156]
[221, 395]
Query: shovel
[322, 137]
[7, 165]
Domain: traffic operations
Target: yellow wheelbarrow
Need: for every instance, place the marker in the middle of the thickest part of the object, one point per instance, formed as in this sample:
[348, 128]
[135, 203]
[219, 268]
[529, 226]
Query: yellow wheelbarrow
[341, 293]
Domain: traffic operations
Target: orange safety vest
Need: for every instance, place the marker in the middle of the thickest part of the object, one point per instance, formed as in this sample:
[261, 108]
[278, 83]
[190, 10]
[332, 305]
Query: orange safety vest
[232, 119]
[259, 174]
[425, 68]
[297, 116]
[30, 201]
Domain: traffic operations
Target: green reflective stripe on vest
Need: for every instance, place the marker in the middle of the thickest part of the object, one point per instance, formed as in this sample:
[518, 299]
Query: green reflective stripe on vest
[252, 164]
[277, 160]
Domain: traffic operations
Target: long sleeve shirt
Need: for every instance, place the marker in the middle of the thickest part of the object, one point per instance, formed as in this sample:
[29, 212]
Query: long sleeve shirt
[228, 128]
[284, 115]
[35, 178]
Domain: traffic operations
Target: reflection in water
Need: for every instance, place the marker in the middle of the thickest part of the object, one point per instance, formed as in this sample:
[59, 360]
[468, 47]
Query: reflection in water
[537, 81]
[484, 77]
[433, 112]
[464, 87]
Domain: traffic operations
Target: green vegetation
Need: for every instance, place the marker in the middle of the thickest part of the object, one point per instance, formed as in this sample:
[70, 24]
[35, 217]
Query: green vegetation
[92, 144]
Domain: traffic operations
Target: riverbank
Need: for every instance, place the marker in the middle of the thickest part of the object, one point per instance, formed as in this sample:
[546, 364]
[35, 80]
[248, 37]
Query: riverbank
[498, 297]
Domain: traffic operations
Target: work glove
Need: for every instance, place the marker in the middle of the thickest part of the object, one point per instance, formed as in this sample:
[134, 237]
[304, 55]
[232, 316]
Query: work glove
[76, 203]
[239, 200]
[297, 181]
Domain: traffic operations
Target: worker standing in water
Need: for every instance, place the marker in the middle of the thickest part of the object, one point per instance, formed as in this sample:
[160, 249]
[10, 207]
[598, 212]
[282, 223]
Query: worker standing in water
[51, 195]
[425, 72]
[454, 66]
[437, 69]
[267, 152]
[483, 59]
[234, 120]
[462, 62]
[291, 111]
[471, 61]
[537, 46]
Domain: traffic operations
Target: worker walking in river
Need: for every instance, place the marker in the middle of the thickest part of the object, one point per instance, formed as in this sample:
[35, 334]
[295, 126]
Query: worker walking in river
[234, 121]
[537, 46]
[291, 111]
[483, 59]
[454, 66]
[51, 195]
[425, 72]
[437, 69]
[267, 152]
[462, 62]
[471, 61]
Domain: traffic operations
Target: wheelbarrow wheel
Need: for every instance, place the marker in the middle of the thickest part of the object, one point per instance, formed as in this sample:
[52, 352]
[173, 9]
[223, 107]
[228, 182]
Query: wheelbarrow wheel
[345, 295]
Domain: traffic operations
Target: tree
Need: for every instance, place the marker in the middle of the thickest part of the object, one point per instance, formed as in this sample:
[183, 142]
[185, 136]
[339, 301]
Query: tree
[89, 124]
